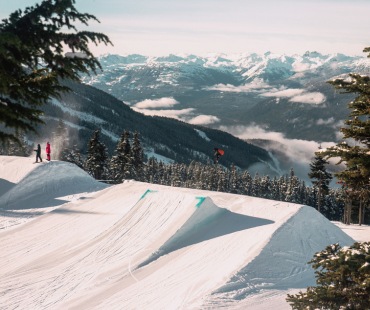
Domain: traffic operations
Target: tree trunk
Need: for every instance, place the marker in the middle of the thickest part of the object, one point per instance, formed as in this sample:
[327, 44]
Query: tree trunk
[363, 204]
[347, 211]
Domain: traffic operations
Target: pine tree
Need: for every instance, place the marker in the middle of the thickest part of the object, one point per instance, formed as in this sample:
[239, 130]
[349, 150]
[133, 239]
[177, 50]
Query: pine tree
[72, 155]
[355, 152]
[153, 169]
[293, 186]
[33, 61]
[121, 162]
[137, 158]
[96, 162]
[234, 180]
[342, 277]
[19, 147]
[321, 178]
[247, 183]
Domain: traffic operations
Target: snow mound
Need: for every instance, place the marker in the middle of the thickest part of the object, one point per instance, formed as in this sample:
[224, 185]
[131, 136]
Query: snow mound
[12, 170]
[290, 248]
[206, 222]
[130, 247]
[45, 183]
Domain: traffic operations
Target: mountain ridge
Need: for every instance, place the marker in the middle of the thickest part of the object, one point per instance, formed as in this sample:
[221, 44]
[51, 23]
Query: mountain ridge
[235, 90]
[85, 109]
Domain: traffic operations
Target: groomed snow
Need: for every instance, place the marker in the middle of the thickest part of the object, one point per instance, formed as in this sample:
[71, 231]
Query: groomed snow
[144, 246]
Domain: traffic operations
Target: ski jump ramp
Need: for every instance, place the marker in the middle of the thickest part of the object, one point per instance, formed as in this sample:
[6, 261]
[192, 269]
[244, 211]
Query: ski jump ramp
[145, 246]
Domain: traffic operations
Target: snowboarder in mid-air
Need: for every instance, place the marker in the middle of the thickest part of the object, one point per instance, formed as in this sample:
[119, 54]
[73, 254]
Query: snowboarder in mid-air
[217, 154]
[38, 153]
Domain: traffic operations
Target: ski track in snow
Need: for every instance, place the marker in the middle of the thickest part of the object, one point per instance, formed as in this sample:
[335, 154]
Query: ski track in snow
[144, 246]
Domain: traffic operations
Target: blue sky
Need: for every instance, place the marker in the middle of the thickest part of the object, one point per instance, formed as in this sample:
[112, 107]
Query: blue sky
[161, 27]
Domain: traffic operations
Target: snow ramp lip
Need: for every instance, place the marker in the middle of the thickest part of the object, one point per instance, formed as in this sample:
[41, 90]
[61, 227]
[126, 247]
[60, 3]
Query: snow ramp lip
[282, 265]
[208, 221]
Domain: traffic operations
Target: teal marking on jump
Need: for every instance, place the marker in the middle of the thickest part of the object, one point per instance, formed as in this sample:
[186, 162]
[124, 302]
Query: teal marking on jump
[201, 199]
[147, 192]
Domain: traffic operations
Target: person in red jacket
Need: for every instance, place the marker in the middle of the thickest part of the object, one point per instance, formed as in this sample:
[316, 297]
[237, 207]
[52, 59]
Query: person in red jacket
[48, 151]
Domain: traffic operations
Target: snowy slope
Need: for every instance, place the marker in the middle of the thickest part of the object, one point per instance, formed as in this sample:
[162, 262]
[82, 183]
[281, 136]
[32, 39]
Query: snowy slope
[145, 246]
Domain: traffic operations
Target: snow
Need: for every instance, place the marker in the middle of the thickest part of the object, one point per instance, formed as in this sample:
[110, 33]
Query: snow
[136, 245]
[202, 135]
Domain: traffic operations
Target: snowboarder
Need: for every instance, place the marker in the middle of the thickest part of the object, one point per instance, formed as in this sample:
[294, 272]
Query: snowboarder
[48, 151]
[38, 153]
[218, 153]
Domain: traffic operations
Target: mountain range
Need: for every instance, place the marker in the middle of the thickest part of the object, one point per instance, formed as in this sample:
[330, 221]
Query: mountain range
[236, 93]
[269, 112]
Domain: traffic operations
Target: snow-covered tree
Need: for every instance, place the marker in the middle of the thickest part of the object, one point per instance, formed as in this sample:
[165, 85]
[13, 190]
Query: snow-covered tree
[137, 158]
[320, 178]
[293, 187]
[18, 147]
[342, 277]
[354, 152]
[33, 60]
[72, 155]
[234, 180]
[121, 162]
[96, 161]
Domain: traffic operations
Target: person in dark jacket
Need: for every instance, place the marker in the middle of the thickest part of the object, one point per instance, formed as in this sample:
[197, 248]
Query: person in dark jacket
[38, 153]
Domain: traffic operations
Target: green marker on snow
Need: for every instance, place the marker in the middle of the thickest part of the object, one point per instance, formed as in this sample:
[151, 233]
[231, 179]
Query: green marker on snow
[201, 199]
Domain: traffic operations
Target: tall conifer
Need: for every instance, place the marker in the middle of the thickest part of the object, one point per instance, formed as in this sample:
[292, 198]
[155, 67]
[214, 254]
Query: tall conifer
[33, 61]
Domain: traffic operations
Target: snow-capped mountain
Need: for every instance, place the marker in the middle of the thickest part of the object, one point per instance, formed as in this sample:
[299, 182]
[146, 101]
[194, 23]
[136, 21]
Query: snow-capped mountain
[279, 93]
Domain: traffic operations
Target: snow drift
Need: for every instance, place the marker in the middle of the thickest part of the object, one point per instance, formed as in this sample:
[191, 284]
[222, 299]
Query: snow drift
[144, 246]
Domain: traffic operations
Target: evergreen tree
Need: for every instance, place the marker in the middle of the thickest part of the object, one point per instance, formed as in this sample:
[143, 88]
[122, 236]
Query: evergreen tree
[342, 277]
[221, 183]
[137, 158]
[96, 162]
[321, 178]
[121, 162]
[247, 183]
[355, 152]
[293, 186]
[72, 155]
[19, 147]
[33, 61]
[234, 180]
[153, 170]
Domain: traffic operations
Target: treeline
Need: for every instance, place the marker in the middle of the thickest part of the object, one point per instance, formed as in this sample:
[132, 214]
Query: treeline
[128, 162]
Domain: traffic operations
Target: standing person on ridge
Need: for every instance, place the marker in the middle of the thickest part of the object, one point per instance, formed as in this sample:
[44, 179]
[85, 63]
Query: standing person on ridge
[48, 151]
[38, 153]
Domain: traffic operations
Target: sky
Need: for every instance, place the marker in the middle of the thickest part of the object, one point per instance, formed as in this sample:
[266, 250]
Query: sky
[162, 27]
[71, 242]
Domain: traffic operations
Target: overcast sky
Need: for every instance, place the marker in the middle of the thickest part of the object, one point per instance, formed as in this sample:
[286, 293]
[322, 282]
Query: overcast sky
[161, 27]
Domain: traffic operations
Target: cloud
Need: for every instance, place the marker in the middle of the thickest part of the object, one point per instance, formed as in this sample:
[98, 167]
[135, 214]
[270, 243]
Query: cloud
[328, 121]
[285, 93]
[256, 84]
[310, 98]
[204, 120]
[166, 113]
[297, 95]
[293, 153]
[156, 103]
